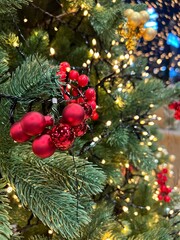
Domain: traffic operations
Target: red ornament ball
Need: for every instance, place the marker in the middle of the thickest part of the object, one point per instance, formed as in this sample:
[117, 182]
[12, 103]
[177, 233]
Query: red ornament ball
[73, 114]
[95, 116]
[73, 75]
[90, 94]
[62, 136]
[17, 133]
[64, 66]
[80, 130]
[43, 146]
[49, 120]
[165, 170]
[33, 123]
[80, 100]
[75, 92]
[83, 80]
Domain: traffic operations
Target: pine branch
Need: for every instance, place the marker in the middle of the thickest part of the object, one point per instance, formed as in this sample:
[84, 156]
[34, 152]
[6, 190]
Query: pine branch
[5, 229]
[9, 5]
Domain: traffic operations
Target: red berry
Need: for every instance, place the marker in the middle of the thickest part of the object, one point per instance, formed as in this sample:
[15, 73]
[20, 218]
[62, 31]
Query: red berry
[168, 190]
[43, 146]
[83, 80]
[33, 123]
[160, 197]
[95, 116]
[92, 104]
[90, 94]
[49, 120]
[159, 175]
[73, 114]
[167, 198]
[165, 170]
[163, 188]
[75, 92]
[62, 76]
[80, 100]
[64, 66]
[73, 75]
[17, 133]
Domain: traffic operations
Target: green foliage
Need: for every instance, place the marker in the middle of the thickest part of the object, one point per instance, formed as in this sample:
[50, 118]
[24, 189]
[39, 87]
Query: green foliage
[5, 229]
[34, 181]
[3, 66]
[38, 237]
[9, 5]
[30, 80]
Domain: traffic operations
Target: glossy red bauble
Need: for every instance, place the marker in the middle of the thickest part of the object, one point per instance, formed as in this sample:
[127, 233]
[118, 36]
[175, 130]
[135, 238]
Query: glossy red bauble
[90, 94]
[83, 80]
[75, 92]
[160, 197]
[17, 133]
[165, 170]
[33, 123]
[80, 130]
[73, 114]
[62, 136]
[73, 75]
[64, 66]
[43, 146]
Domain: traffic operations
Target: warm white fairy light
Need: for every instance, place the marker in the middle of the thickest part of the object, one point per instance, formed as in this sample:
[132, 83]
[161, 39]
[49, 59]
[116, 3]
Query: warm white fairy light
[146, 177]
[55, 29]
[98, 5]
[148, 208]
[88, 61]
[142, 122]
[127, 200]
[9, 189]
[136, 117]
[69, 86]
[50, 231]
[108, 123]
[25, 20]
[115, 67]
[108, 55]
[85, 13]
[113, 42]
[52, 51]
[125, 209]
[94, 42]
[95, 139]
[150, 123]
[149, 144]
[84, 65]
[96, 55]
[103, 161]
[135, 213]
[151, 105]
[144, 133]
[126, 165]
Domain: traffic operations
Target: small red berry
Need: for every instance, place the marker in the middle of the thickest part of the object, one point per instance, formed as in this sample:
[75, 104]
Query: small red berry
[165, 170]
[95, 116]
[62, 76]
[83, 80]
[92, 104]
[75, 92]
[160, 197]
[64, 66]
[90, 94]
[167, 198]
[80, 100]
[73, 75]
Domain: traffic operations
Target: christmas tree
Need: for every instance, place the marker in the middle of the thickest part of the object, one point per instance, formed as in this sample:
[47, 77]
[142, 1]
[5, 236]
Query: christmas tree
[79, 157]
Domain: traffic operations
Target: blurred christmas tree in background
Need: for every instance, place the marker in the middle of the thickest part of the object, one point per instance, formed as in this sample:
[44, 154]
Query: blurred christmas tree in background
[79, 103]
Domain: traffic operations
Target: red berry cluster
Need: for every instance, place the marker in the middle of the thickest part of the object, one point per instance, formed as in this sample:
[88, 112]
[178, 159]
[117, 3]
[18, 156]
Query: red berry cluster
[175, 106]
[72, 124]
[163, 189]
[73, 89]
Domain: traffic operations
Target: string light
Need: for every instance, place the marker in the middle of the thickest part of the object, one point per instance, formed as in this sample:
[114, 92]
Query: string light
[52, 51]
[125, 209]
[25, 20]
[85, 13]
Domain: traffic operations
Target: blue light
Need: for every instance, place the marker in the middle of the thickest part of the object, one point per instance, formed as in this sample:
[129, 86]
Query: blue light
[173, 40]
[152, 19]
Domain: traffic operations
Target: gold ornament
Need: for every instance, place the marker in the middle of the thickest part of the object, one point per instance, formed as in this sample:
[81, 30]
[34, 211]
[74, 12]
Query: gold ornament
[134, 19]
[149, 34]
[128, 12]
[144, 16]
[107, 236]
